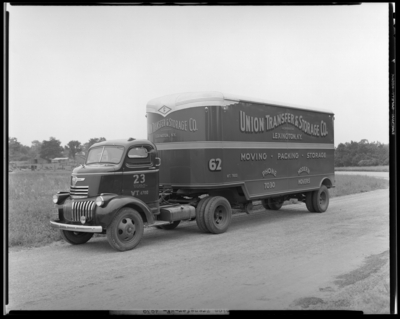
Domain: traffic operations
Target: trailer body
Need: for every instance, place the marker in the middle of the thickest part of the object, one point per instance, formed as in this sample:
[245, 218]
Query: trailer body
[211, 141]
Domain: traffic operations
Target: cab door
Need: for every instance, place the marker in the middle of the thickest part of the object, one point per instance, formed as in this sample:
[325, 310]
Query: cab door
[140, 174]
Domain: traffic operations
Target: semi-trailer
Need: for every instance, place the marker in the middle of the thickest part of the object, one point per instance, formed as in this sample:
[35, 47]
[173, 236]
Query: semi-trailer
[205, 153]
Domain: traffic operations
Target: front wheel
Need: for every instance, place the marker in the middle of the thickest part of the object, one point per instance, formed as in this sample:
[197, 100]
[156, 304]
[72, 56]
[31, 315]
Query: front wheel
[75, 238]
[126, 230]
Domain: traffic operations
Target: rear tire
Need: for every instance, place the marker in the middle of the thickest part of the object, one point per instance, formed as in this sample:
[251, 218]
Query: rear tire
[218, 215]
[75, 238]
[321, 199]
[171, 226]
[126, 229]
[248, 207]
[265, 203]
[200, 214]
[309, 202]
[275, 204]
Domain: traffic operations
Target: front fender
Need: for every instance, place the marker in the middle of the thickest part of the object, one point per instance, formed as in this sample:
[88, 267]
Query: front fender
[113, 203]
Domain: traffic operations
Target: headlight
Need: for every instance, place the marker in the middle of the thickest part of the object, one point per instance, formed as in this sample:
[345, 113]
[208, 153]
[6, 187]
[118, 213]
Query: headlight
[99, 201]
[59, 197]
[55, 199]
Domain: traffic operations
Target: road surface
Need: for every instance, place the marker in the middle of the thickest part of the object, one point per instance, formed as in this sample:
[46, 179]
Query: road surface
[287, 259]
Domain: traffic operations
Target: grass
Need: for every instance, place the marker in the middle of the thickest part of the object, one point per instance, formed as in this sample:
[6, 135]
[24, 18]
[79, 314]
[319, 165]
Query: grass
[384, 168]
[353, 184]
[30, 205]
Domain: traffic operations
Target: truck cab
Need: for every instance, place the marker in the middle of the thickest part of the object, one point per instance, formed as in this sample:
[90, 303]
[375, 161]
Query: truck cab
[114, 192]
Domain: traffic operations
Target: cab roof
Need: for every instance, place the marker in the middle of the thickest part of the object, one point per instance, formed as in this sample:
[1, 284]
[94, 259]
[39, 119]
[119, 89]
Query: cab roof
[167, 104]
[124, 142]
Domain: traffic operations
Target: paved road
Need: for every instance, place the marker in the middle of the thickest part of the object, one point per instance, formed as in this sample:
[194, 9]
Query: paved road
[384, 175]
[266, 260]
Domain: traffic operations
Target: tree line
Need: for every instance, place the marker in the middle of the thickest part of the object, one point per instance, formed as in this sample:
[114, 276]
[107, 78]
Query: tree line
[360, 153]
[47, 149]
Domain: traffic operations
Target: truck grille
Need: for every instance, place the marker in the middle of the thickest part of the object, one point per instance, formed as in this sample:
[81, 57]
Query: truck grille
[79, 191]
[82, 208]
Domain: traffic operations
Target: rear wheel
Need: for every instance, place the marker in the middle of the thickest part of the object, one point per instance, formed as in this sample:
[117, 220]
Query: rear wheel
[265, 203]
[309, 202]
[217, 215]
[321, 199]
[248, 207]
[126, 230]
[275, 204]
[200, 214]
[173, 225]
[75, 238]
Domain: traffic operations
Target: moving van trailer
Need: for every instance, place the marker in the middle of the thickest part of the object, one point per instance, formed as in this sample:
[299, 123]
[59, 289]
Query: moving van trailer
[205, 154]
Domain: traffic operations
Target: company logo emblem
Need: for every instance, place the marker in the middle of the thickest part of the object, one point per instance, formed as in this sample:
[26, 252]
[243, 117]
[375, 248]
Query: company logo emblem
[304, 169]
[76, 179]
[269, 171]
[164, 109]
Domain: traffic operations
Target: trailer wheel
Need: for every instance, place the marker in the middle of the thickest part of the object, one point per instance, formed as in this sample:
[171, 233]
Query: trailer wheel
[321, 199]
[126, 230]
[275, 204]
[248, 207]
[200, 214]
[265, 203]
[75, 238]
[218, 215]
[309, 202]
[171, 226]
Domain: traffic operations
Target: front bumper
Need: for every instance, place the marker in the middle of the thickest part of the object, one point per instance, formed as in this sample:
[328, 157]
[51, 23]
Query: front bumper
[76, 228]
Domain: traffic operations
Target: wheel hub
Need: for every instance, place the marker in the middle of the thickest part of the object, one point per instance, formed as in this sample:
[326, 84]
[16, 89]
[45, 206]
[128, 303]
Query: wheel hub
[219, 216]
[126, 229]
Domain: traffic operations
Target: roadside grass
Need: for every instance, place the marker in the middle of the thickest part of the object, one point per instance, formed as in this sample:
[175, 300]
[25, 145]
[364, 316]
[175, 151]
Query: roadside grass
[353, 184]
[384, 168]
[30, 205]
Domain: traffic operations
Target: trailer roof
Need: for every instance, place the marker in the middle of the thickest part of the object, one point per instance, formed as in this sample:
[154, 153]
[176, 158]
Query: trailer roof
[170, 103]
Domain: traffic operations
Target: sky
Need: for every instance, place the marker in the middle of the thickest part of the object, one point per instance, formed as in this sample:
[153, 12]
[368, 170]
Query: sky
[77, 73]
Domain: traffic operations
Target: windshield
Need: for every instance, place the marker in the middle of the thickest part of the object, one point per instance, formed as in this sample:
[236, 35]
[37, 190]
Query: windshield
[105, 154]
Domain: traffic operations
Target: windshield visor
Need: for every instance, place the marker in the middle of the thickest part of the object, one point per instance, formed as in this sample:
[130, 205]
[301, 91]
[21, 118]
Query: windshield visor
[105, 154]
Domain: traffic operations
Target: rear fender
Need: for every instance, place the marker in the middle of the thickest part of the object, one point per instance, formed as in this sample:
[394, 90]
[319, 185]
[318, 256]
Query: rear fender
[327, 181]
[113, 203]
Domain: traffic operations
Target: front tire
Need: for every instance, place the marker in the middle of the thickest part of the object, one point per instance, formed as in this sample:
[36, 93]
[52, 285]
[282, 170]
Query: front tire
[217, 215]
[321, 199]
[75, 238]
[126, 230]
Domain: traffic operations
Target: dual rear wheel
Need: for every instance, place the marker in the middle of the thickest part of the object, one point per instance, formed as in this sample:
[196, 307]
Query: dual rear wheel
[213, 214]
[272, 203]
[318, 201]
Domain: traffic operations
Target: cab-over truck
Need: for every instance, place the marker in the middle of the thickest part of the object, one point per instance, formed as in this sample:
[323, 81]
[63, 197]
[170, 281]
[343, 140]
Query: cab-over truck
[206, 153]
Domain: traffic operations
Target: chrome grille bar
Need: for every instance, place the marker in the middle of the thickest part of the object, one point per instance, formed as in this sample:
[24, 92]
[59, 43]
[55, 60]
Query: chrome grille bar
[79, 191]
[82, 208]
